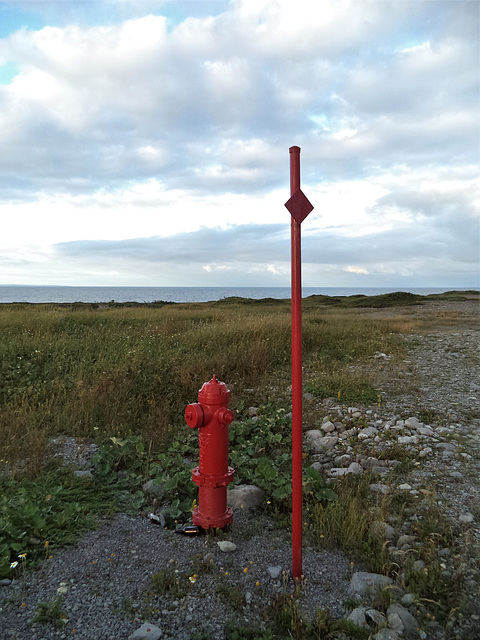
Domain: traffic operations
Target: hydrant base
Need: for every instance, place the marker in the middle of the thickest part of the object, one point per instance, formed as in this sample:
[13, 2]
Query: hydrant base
[207, 522]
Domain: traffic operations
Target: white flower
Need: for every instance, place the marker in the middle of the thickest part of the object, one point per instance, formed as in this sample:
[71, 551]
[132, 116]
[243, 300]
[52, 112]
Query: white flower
[13, 565]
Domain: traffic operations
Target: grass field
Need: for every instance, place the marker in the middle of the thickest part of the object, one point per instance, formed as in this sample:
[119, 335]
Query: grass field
[121, 375]
[99, 372]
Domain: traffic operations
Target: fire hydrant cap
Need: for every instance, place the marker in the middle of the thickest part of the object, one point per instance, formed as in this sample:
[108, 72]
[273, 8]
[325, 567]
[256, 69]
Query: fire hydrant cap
[214, 392]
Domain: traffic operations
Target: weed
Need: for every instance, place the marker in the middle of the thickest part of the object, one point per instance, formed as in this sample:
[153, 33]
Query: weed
[51, 613]
[170, 582]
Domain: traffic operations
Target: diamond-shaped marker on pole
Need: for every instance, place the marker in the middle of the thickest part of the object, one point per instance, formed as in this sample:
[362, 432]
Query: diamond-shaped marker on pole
[299, 206]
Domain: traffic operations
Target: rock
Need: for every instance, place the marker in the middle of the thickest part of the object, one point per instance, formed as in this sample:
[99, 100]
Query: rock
[308, 396]
[405, 540]
[154, 488]
[368, 432]
[424, 452]
[375, 616]
[355, 468]
[395, 623]
[245, 496]
[413, 423]
[409, 623]
[5, 582]
[365, 583]
[379, 488]
[357, 616]
[408, 439]
[328, 427]
[425, 431]
[382, 530]
[275, 572]
[456, 474]
[248, 597]
[147, 631]
[226, 546]
[408, 599]
[337, 472]
[386, 634]
[85, 475]
[466, 518]
[418, 565]
[404, 487]
[447, 446]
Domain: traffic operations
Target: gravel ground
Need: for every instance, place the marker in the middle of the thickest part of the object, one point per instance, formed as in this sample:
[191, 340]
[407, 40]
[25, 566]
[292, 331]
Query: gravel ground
[107, 574]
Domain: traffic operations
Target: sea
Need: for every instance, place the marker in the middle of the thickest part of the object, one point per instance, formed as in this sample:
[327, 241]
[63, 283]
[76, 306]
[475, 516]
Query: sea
[71, 294]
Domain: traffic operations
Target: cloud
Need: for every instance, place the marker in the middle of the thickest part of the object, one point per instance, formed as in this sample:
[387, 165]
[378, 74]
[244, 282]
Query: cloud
[129, 122]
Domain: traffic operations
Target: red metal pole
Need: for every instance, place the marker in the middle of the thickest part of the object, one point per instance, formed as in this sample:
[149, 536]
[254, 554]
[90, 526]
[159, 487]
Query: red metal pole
[296, 373]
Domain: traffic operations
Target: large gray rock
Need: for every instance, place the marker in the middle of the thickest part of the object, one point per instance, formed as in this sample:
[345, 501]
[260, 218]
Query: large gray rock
[147, 631]
[365, 583]
[245, 496]
[319, 443]
[357, 616]
[409, 623]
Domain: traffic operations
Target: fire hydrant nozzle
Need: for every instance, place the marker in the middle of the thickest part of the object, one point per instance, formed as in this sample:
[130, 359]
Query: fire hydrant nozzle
[211, 416]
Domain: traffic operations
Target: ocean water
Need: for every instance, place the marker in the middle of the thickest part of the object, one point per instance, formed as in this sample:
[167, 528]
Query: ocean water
[33, 294]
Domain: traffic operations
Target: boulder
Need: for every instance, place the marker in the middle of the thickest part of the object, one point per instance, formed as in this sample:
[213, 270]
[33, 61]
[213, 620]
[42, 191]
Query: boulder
[409, 623]
[365, 583]
[245, 496]
[147, 631]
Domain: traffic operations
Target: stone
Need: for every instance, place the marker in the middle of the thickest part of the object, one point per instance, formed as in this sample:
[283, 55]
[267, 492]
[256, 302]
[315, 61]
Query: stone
[386, 634]
[337, 472]
[328, 427]
[365, 583]
[409, 623]
[382, 530]
[418, 565]
[425, 431]
[85, 475]
[395, 623]
[404, 487]
[226, 546]
[413, 423]
[405, 540]
[466, 518]
[408, 439]
[5, 582]
[368, 432]
[355, 468]
[357, 616]
[275, 572]
[375, 616]
[447, 446]
[379, 488]
[408, 599]
[424, 452]
[456, 474]
[245, 496]
[147, 631]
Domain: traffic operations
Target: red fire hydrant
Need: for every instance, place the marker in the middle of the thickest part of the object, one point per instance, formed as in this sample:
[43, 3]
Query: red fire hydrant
[211, 416]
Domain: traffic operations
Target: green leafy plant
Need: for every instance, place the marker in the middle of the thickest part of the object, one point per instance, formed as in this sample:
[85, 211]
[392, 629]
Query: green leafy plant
[51, 613]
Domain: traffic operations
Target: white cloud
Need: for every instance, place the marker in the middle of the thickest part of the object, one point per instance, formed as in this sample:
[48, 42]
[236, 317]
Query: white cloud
[170, 117]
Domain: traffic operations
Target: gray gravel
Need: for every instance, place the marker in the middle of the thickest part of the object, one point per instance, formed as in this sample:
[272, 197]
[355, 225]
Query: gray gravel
[107, 576]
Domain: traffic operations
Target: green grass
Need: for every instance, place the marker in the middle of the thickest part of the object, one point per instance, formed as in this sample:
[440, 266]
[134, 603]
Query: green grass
[100, 372]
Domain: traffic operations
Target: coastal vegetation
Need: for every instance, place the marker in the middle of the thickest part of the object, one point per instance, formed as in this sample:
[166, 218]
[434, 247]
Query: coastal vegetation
[120, 376]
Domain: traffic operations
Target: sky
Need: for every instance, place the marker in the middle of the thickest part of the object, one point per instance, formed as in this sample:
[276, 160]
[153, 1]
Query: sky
[146, 142]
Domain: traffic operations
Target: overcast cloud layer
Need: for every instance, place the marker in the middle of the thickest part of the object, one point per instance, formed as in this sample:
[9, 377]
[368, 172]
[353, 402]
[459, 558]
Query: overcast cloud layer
[146, 142]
